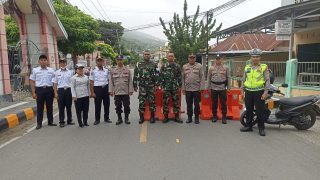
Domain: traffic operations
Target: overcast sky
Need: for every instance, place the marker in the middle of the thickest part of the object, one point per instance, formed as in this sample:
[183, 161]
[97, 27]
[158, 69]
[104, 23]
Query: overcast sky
[141, 12]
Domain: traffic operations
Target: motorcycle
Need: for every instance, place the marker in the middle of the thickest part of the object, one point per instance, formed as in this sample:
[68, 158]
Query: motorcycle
[300, 112]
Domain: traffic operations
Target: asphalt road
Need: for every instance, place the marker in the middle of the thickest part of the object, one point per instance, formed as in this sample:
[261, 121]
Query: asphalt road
[160, 152]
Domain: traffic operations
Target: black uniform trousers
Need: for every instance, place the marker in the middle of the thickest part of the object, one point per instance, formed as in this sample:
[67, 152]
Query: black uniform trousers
[120, 100]
[44, 95]
[64, 102]
[253, 99]
[102, 94]
[193, 98]
[82, 109]
[222, 95]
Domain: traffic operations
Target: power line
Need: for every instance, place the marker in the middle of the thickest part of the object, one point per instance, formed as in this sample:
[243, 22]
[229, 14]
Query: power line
[103, 10]
[87, 8]
[98, 10]
[216, 11]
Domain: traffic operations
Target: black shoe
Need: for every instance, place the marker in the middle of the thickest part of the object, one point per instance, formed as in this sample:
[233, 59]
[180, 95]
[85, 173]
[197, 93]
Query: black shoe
[86, 124]
[38, 127]
[107, 121]
[214, 119]
[166, 119]
[224, 119]
[96, 122]
[62, 125]
[119, 122]
[70, 123]
[81, 125]
[52, 124]
[246, 129]
[189, 120]
[261, 132]
[141, 118]
[126, 119]
[196, 119]
[152, 119]
[177, 118]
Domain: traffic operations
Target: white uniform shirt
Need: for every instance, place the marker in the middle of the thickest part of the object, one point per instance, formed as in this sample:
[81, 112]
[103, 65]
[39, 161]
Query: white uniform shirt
[99, 77]
[63, 78]
[42, 77]
[80, 86]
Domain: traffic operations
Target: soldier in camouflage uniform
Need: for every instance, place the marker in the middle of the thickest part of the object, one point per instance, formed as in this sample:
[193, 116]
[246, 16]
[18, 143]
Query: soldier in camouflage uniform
[170, 79]
[145, 78]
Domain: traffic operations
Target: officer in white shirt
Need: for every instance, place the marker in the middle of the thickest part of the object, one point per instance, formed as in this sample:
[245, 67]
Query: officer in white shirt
[62, 91]
[42, 90]
[100, 90]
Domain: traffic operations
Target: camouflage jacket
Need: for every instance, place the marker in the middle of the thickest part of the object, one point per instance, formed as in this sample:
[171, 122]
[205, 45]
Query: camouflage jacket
[145, 74]
[170, 76]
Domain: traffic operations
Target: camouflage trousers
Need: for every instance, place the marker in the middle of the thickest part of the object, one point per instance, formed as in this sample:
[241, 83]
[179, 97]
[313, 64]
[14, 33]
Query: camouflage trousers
[175, 99]
[146, 94]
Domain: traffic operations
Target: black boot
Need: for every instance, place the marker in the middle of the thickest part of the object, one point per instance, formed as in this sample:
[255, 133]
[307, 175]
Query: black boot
[189, 119]
[215, 118]
[152, 119]
[85, 122]
[126, 119]
[246, 129]
[261, 132]
[196, 119]
[141, 118]
[166, 119]
[224, 119]
[119, 119]
[177, 118]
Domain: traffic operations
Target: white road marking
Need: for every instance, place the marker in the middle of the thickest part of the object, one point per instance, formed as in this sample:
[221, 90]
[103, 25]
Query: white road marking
[12, 106]
[27, 132]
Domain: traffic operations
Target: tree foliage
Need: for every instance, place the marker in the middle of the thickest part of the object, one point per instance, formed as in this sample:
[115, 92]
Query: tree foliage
[106, 51]
[12, 31]
[188, 34]
[81, 29]
[111, 33]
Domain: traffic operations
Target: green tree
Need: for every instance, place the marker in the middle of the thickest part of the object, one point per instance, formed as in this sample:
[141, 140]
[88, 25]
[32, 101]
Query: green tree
[81, 29]
[12, 31]
[188, 34]
[111, 33]
[107, 51]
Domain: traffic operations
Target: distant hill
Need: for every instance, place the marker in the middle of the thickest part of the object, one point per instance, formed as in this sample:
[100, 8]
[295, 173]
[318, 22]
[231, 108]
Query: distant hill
[139, 41]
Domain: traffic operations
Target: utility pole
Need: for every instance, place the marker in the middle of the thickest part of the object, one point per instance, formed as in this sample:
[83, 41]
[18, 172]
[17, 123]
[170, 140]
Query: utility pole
[118, 41]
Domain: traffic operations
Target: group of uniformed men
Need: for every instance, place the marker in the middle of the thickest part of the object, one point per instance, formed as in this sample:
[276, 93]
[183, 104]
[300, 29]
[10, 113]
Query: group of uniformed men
[118, 82]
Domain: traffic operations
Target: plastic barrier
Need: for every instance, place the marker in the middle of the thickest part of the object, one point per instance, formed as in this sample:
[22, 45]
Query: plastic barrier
[206, 105]
[159, 107]
[233, 105]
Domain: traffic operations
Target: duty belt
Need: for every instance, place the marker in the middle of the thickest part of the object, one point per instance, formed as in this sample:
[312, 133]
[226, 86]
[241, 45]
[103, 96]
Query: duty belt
[254, 89]
[219, 83]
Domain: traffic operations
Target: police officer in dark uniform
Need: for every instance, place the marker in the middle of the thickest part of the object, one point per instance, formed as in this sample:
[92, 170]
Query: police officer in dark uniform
[42, 90]
[100, 90]
[255, 90]
[62, 91]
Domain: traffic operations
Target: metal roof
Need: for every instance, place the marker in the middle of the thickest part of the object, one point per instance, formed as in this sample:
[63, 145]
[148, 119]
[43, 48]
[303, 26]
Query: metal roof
[304, 12]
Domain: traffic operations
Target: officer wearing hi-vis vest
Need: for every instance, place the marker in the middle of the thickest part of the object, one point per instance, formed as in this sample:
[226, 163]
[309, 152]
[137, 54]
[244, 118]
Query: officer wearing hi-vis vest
[256, 80]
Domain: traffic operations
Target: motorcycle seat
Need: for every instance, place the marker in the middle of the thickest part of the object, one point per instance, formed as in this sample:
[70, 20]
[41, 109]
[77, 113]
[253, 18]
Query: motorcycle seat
[296, 101]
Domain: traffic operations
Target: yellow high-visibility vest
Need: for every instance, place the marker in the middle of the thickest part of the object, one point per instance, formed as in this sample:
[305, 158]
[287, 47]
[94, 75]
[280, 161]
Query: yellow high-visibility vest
[254, 78]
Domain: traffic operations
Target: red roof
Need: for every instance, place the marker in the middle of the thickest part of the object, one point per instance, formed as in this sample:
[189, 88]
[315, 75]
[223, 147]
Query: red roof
[265, 42]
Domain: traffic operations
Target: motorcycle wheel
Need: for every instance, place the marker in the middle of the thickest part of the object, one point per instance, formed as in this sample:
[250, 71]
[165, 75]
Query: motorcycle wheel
[243, 119]
[307, 121]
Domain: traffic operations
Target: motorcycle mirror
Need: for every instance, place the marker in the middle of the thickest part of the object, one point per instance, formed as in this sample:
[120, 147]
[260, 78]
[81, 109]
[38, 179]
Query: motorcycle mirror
[284, 85]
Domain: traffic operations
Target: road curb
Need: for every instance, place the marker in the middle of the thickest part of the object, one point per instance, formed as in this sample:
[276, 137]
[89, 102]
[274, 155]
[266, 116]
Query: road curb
[13, 120]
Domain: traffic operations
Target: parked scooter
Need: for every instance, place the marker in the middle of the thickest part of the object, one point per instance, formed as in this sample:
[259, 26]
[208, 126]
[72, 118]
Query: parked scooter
[300, 112]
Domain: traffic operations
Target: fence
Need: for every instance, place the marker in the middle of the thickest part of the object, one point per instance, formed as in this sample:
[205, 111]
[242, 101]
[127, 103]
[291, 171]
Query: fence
[278, 68]
[308, 74]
